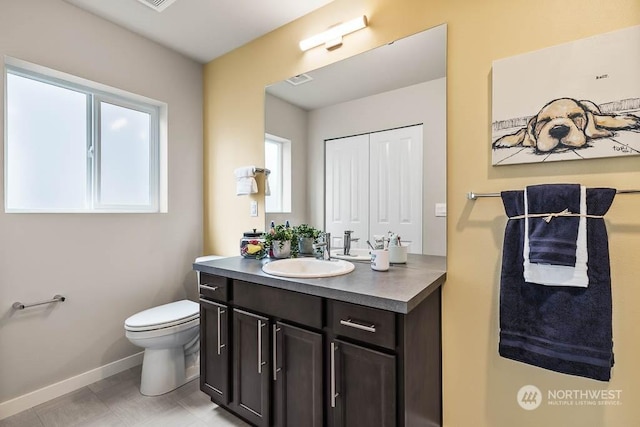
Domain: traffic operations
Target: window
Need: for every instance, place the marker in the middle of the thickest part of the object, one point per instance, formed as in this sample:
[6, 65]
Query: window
[76, 146]
[278, 160]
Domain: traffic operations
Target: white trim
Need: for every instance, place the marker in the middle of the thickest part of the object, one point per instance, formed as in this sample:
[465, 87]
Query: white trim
[29, 400]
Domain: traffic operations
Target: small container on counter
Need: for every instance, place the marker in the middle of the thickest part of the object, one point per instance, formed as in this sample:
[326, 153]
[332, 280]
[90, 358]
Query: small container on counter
[252, 245]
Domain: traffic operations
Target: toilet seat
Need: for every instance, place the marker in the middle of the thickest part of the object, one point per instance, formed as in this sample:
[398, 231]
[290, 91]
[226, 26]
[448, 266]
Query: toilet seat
[163, 316]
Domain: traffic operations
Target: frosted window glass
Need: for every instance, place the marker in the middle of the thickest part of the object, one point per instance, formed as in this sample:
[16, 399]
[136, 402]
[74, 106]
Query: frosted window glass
[46, 146]
[124, 156]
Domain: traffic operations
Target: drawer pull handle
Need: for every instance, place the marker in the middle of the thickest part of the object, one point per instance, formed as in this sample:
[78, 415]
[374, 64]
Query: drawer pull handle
[209, 288]
[352, 324]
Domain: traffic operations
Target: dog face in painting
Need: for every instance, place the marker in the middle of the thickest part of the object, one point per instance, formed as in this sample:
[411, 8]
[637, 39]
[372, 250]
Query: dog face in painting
[567, 123]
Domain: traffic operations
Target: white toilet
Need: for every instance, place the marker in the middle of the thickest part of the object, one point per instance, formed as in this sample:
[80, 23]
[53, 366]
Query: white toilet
[170, 336]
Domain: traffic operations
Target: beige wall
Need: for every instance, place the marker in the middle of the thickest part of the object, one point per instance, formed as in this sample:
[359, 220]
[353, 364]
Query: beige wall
[109, 266]
[479, 387]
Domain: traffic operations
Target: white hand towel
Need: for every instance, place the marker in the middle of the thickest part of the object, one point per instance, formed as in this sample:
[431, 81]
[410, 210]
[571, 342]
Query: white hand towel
[267, 189]
[559, 275]
[245, 180]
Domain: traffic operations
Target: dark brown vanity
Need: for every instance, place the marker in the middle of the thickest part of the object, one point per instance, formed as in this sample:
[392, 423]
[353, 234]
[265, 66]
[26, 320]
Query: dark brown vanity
[362, 349]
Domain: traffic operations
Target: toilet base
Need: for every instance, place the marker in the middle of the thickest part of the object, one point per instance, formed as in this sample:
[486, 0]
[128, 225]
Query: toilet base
[163, 370]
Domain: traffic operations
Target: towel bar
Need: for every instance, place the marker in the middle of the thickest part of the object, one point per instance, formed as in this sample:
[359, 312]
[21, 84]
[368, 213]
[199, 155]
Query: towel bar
[20, 306]
[473, 196]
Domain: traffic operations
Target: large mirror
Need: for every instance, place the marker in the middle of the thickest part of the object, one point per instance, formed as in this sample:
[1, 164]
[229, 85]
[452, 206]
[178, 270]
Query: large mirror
[395, 86]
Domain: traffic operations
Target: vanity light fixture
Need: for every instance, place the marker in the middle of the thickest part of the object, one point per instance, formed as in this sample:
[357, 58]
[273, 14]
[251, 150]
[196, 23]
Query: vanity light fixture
[332, 38]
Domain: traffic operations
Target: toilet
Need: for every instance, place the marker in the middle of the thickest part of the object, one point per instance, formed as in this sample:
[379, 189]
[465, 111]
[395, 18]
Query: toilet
[170, 336]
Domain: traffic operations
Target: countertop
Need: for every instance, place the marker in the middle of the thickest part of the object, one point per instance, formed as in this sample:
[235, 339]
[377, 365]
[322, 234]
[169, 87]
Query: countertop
[400, 289]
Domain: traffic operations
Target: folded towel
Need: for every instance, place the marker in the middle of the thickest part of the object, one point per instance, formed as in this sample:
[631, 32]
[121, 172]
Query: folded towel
[245, 180]
[553, 242]
[563, 329]
[559, 275]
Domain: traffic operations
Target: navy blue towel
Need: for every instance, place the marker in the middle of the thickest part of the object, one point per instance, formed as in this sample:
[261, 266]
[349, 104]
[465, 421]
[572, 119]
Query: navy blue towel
[564, 329]
[553, 242]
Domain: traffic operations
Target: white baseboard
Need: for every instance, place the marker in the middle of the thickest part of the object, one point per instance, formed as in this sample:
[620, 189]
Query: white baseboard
[29, 400]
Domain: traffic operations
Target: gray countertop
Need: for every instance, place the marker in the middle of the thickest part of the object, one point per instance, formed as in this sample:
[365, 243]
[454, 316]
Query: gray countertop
[400, 289]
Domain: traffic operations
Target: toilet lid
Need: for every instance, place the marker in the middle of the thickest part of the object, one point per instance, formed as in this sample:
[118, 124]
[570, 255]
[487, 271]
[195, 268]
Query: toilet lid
[163, 316]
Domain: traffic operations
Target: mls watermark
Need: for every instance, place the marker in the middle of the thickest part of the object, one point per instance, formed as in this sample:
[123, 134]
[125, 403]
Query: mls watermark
[530, 397]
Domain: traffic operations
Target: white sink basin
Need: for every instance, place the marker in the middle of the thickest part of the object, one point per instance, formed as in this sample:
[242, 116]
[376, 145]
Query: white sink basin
[354, 254]
[307, 268]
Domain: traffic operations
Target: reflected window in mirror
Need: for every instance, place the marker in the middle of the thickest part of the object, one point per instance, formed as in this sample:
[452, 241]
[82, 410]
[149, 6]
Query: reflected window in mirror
[277, 154]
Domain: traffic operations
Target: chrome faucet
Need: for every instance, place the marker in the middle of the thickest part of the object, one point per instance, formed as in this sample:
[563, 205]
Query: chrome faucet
[326, 247]
[347, 242]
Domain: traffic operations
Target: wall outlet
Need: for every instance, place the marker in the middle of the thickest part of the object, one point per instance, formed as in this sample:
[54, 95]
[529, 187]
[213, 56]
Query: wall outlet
[253, 209]
[441, 209]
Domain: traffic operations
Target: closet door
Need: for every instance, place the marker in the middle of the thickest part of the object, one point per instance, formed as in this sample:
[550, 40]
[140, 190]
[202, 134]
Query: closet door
[396, 161]
[347, 189]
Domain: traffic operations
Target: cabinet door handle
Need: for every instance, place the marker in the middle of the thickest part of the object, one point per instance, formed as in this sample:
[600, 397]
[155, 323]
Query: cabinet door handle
[334, 347]
[275, 352]
[352, 324]
[220, 345]
[260, 362]
[210, 288]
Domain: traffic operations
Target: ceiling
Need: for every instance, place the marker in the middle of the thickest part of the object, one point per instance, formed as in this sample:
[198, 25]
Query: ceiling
[202, 29]
[411, 60]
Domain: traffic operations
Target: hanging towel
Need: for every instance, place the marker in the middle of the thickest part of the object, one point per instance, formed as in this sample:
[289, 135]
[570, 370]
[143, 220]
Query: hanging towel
[563, 329]
[246, 180]
[549, 274]
[267, 188]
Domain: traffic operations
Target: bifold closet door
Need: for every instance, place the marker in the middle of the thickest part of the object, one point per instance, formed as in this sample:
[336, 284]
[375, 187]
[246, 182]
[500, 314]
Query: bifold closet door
[347, 189]
[396, 184]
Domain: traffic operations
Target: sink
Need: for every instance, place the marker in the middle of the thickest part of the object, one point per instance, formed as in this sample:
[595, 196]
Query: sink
[307, 268]
[355, 254]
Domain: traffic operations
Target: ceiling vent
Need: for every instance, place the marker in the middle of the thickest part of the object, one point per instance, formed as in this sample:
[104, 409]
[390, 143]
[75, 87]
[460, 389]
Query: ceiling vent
[299, 79]
[157, 5]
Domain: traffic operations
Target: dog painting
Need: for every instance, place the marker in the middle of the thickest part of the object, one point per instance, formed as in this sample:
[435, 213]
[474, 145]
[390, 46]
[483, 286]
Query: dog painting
[565, 123]
[572, 108]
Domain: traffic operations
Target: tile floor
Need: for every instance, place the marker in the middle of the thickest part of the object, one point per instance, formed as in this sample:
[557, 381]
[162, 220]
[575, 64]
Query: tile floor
[116, 402]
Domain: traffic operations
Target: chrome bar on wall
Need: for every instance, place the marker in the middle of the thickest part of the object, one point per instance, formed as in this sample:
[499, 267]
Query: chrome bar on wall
[473, 196]
[20, 306]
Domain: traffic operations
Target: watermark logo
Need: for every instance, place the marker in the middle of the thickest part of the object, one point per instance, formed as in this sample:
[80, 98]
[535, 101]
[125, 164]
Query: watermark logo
[529, 397]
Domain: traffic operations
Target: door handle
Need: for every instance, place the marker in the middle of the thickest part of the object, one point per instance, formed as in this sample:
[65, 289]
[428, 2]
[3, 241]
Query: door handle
[275, 352]
[220, 345]
[334, 347]
[260, 362]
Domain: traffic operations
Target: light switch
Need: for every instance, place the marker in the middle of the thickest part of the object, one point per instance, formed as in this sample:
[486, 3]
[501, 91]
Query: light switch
[441, 209]
[253, 211]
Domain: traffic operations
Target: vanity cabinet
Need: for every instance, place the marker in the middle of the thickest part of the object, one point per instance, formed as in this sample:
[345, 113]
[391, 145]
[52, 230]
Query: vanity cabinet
[361, 378]
[251, 367]
[214, 336]
[283, 358]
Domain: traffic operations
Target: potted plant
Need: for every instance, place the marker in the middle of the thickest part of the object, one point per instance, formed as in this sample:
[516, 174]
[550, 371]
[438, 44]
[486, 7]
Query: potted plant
[306, 237]
[279, 240]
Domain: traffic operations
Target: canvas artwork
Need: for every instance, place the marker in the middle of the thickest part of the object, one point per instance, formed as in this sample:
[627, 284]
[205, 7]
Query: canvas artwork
[575, 101]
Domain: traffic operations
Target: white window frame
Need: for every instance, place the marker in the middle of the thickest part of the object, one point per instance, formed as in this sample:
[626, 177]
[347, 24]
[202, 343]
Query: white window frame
[285, 167]
[96, 94]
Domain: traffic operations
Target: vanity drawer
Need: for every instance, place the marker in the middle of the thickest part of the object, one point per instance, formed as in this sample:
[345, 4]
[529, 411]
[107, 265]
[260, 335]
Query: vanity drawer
[280, 303]
[214, 287]
[370, 325]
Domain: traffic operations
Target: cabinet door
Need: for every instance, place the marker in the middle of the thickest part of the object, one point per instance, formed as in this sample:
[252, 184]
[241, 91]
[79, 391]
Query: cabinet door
[251, 367]
[214, 351]
[297, 372]
[362, 386]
